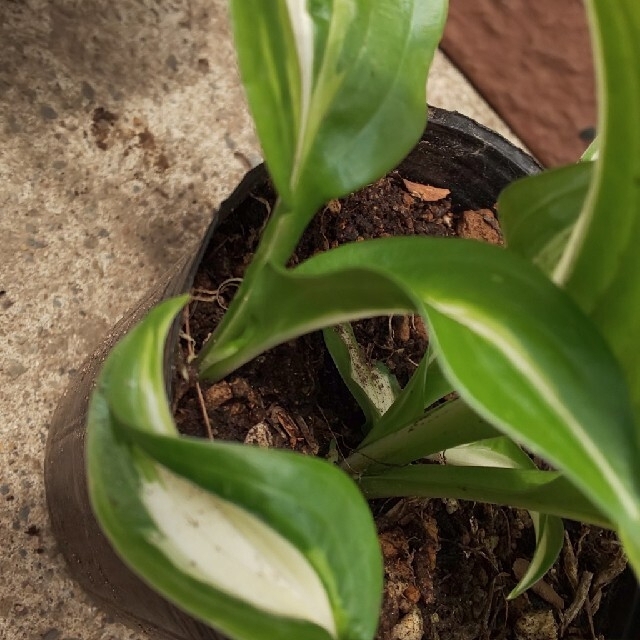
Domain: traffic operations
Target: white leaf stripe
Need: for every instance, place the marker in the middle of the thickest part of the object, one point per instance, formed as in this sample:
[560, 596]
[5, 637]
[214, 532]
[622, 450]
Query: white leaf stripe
[578, 233]
[303, 34]
[228, 548]
[477, 455]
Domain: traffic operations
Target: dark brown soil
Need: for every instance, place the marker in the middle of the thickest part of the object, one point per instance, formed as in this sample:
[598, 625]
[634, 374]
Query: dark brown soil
[449, 565]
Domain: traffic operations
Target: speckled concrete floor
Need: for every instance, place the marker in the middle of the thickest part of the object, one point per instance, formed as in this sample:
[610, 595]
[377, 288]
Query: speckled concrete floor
[122, 125]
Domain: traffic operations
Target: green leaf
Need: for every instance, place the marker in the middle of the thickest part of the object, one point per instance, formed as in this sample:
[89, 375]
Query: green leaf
[317, 516]
[504, 453]
[447, 425]
[427, 384]
[336, 88]
[530, 394]
[371, 384]
[521, 488]
[538, 213]
[257, 543]
[592, 151]
[601, 265]
[337, 91]
[376, 393]
[304, 303]
[517, 349]
[388, 408]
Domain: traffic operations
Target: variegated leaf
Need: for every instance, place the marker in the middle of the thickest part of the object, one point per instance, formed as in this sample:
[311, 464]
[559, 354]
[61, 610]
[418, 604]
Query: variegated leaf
[517, 349]
[505, 454]
[538, 213]
[601, 262]
[257, 543]
[371, 384]
[336, 87]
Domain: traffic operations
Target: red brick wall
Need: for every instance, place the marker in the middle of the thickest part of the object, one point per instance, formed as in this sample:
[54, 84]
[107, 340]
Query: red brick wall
[531, 61]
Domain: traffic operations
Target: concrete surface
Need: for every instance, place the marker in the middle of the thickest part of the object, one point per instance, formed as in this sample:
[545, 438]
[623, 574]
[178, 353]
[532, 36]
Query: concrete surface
[122, 125]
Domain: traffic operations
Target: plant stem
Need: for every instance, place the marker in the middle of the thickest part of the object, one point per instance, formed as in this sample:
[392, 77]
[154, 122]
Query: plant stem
[222, 352]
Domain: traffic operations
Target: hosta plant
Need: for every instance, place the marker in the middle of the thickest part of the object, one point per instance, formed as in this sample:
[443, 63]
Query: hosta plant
[539, 340]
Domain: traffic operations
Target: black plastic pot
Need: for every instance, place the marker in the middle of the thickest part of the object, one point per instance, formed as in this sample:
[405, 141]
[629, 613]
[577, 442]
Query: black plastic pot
[454, 152]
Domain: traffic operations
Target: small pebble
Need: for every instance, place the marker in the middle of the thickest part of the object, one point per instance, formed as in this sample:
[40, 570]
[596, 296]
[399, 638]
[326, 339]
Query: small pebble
[537, 625]
[411, 627]
[260, 435]
[218, 394]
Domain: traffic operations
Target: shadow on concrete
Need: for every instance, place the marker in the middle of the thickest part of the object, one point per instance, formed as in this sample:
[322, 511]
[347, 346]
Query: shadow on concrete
[89, 50]
[79, 82]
